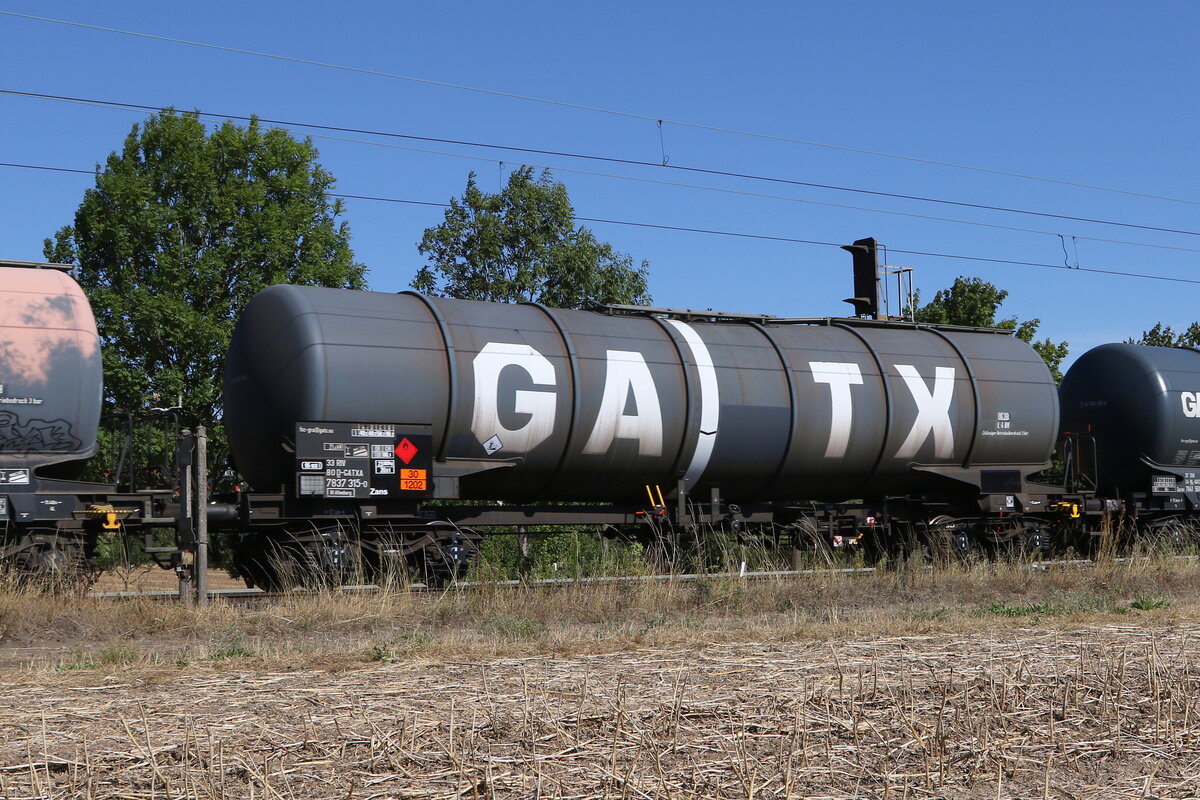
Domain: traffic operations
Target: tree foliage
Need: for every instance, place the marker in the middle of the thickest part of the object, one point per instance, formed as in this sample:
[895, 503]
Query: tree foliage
[181, 229]
[522, 244]
[975, 302]
[1164, 336]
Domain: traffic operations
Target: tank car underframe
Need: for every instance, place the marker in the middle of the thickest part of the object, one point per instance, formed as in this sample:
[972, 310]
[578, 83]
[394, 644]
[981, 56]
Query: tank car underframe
[51, 528]
[438, 540]
[54, 550]
[283, 541]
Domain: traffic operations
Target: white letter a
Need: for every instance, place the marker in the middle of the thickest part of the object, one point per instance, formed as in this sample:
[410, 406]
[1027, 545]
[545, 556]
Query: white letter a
[626, 371]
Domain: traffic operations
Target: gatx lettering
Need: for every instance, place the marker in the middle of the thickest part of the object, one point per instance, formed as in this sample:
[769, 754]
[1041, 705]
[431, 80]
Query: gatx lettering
[630, 408]
[538, 404]
[1191, 404]
[933, 412]
[840, 377]
[626, 376]
[933, 408]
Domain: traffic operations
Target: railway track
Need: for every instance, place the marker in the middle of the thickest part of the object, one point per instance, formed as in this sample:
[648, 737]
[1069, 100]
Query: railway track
[252, 596]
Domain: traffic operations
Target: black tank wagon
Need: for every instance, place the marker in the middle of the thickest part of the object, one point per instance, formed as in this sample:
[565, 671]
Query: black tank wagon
[1133, 418]
[596, 406]
[696, 416]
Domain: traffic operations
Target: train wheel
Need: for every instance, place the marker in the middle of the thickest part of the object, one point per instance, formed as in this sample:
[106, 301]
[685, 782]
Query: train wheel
[310, 559]
[53, 560]
[949, 537]
[1038, 539]
[447, 561]
[1170, 535]
[253, 562]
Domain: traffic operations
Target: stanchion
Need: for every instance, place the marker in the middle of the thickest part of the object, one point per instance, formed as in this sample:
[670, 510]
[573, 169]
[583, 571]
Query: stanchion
[184, 526]
[201, 563]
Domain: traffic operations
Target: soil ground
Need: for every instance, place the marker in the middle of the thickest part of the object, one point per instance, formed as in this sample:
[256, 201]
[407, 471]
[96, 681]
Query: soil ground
[1098, 711]
[154, 578]
[978, 680]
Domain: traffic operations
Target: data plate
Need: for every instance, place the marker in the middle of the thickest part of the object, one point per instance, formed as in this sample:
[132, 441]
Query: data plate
[360, 460]
[14, 477]
[1165, 484]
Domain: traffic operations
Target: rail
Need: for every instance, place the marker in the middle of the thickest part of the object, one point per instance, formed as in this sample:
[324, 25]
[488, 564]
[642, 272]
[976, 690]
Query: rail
[259, 594]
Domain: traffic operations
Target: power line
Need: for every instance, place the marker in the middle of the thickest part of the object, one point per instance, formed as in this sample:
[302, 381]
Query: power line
[734, 234]
[629, 162]
[601, 110]
[1095, 270]
[718, 189]
[47, 169]
[764, 196]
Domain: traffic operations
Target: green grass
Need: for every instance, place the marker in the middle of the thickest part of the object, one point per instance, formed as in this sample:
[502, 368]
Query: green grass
[232, 651]
[1145, 602]
[1027, 610]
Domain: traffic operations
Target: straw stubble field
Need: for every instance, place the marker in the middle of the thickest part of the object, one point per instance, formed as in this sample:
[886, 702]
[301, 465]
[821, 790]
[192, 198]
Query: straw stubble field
[1030, 686]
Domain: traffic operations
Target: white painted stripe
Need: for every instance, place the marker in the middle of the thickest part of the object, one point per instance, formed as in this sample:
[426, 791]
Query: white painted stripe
[710, 402]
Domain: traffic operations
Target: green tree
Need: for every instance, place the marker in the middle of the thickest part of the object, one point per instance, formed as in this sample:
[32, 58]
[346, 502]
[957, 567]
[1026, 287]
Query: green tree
[975, 302]
[1164, 336]
[522, 244]
[182, 228]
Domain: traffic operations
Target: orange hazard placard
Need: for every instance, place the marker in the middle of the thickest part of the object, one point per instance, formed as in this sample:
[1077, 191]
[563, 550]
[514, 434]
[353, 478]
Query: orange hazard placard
[413, 485]
[412, 474]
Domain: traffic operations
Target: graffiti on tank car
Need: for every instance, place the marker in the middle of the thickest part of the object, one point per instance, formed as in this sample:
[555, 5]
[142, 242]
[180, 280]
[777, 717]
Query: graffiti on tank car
[36, 435]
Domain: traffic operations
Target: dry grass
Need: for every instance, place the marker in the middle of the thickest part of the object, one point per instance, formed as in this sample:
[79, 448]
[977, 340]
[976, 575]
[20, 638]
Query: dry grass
[1112, 712]
[976, 681]
[345, 628]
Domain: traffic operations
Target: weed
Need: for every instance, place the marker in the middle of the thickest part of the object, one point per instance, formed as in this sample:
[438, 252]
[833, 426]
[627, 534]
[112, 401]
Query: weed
[652, 621]
[115, 655]
[232, 651]
[334, 627]
[1027, 610]
[721, 593]
[930, 614]
[79, 660]
[514, 626]
[118, 654]
[403, 644]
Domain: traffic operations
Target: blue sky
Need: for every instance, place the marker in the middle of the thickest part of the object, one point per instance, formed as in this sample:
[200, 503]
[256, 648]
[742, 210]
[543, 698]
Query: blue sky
[1083, 93]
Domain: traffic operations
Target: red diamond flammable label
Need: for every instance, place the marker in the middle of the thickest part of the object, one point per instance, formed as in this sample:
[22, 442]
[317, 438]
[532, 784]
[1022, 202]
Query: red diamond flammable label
[406, 451]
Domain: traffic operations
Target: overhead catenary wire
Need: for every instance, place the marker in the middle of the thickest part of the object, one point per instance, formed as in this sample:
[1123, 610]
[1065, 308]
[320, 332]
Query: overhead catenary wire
[659, 120]
[734, 234]
[761, 195]
[625, 161]
[697, 187]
